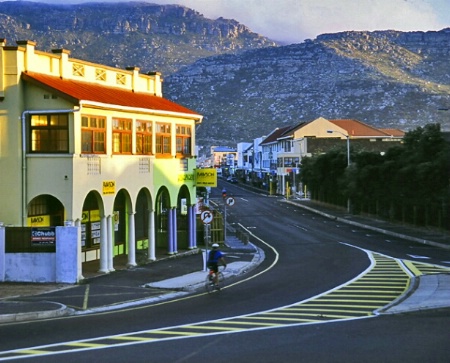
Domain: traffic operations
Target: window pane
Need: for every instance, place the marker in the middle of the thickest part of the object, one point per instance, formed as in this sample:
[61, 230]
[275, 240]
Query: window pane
[86, 141]
[58, 120]
[62, 141]
[147, 144]
[99, 142]
[126, 143]
[39, 120]
[166, 145]
[116, 143]
[139, 144]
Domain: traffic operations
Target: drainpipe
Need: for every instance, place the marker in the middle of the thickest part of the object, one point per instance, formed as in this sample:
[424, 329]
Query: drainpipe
[24, 151]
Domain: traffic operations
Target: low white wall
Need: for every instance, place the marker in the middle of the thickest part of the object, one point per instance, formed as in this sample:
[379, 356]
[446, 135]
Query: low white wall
[2, 253]
[68, 255]
[64, 266]
[30, 267]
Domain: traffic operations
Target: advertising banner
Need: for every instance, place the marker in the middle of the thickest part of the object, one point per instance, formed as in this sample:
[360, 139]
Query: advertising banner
[206, 177]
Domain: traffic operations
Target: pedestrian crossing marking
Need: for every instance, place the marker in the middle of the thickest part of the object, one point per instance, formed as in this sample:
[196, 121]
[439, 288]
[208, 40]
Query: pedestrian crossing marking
[384, 281]
[88, 345]
[132, 338]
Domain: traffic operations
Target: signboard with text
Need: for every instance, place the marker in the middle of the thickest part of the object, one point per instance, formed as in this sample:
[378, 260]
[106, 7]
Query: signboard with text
[43, 236]
[109, 187]
[206, 177]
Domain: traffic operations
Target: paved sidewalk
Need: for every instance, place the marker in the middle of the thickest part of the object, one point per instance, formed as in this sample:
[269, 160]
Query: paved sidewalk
[168, 278]
[165, 279]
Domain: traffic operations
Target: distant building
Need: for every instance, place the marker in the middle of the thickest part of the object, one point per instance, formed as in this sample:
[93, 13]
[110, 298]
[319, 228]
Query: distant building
[276, 158]
[224, 157]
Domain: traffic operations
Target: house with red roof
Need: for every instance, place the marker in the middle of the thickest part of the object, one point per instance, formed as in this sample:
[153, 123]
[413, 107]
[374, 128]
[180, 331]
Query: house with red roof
[285, 147]
[98, 148]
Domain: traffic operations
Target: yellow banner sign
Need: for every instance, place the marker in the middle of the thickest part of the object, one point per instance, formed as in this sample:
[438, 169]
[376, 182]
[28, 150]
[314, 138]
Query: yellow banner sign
[206, 177]
[39, 221]
[109, 187]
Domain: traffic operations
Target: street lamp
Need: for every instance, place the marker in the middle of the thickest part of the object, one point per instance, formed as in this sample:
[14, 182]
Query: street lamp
[270, 171]
[348, 159]
[348, 143]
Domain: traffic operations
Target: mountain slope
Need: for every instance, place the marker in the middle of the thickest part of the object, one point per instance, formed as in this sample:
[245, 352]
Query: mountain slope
[386, 79]
[243, 83]
[150, 36]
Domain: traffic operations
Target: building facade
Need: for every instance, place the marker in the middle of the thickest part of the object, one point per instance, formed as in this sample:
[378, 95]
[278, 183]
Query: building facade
[96, 147]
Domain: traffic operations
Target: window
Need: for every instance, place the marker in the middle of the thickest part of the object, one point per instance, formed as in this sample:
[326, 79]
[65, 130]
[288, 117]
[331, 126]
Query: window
[143, 137]
[93, 134]
[49, 133]
[183, 140]
[122, 135]
[163, 139]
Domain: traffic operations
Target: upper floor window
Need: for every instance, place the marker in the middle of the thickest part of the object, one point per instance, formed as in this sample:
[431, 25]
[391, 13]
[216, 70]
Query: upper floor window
[163, 139]
[93, 134]
[49, 133]
[122, 135]
[143, 137]
[183, 139]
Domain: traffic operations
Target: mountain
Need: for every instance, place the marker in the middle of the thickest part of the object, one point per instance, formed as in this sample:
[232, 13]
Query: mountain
[387, 79]
[243, 83]
[154, 37]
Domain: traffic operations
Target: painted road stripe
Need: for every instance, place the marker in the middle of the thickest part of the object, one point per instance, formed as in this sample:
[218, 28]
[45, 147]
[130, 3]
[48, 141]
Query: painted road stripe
[348, 301]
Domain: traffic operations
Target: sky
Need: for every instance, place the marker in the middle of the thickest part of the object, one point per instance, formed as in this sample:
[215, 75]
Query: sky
[293, 21]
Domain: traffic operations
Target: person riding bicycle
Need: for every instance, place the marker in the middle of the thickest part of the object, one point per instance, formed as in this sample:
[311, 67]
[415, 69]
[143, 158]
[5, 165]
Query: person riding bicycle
[215, 255]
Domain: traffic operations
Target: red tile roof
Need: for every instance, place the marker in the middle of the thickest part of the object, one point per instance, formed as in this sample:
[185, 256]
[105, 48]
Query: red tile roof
[276, 134]
[394, 132]
[358, 129]
[76, 91]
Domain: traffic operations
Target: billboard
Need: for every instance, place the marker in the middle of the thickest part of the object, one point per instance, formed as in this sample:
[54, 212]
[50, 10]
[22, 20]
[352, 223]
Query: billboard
[206, 177]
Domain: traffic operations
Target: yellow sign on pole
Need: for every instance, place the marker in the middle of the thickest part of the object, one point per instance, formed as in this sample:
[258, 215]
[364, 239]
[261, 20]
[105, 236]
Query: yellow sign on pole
[206, 177]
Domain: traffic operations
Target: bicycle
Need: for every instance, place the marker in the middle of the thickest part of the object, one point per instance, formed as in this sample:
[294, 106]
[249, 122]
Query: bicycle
[210, 286]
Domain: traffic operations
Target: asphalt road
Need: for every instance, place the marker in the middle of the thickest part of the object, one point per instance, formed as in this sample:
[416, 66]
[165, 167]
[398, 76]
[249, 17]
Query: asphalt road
[306, 255]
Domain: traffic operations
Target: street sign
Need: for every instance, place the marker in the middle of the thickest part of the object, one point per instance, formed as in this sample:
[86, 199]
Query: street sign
[230, 201]
[206, 217]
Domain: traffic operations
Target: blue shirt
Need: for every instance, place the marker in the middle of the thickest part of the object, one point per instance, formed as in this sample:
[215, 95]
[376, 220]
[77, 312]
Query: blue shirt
[215, 256]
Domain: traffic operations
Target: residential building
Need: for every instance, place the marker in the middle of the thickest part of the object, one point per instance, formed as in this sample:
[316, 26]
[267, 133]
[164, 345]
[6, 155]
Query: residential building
[97, 147]
[225, 158]
[319, 136]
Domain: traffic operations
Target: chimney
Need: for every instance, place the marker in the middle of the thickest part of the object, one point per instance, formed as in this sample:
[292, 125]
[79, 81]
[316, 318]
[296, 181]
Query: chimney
[65, 70]
[29, 51]
[156, 87]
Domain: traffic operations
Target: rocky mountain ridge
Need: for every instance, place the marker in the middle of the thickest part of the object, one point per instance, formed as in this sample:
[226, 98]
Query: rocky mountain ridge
[150, 36]
[244, 84]
[386, 79]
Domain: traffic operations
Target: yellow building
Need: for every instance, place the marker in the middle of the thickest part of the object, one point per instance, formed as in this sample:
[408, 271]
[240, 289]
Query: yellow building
[96, 147]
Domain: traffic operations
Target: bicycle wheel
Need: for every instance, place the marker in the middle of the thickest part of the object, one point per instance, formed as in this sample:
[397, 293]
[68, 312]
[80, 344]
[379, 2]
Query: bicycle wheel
[209, 285]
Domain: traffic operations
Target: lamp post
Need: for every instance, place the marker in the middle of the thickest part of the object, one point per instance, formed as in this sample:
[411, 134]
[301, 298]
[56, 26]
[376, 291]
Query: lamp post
[348, 143]
[270, 171]
[348, 158]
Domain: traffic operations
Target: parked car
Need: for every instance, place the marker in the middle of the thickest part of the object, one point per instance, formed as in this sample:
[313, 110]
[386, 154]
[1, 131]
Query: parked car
[232, 179]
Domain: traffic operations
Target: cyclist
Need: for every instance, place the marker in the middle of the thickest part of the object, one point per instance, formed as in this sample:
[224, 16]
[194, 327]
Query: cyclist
[215, 255]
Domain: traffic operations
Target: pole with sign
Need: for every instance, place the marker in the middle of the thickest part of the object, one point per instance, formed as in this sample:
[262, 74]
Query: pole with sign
[229, 201]
[206, 218]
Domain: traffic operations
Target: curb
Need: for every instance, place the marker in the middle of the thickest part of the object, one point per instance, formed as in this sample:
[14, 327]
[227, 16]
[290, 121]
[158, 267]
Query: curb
[63, 310]
[376, 229]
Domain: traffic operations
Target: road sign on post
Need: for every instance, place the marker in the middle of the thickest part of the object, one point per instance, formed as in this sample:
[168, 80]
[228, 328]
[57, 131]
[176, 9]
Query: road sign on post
[229, 201]
[206, 216]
